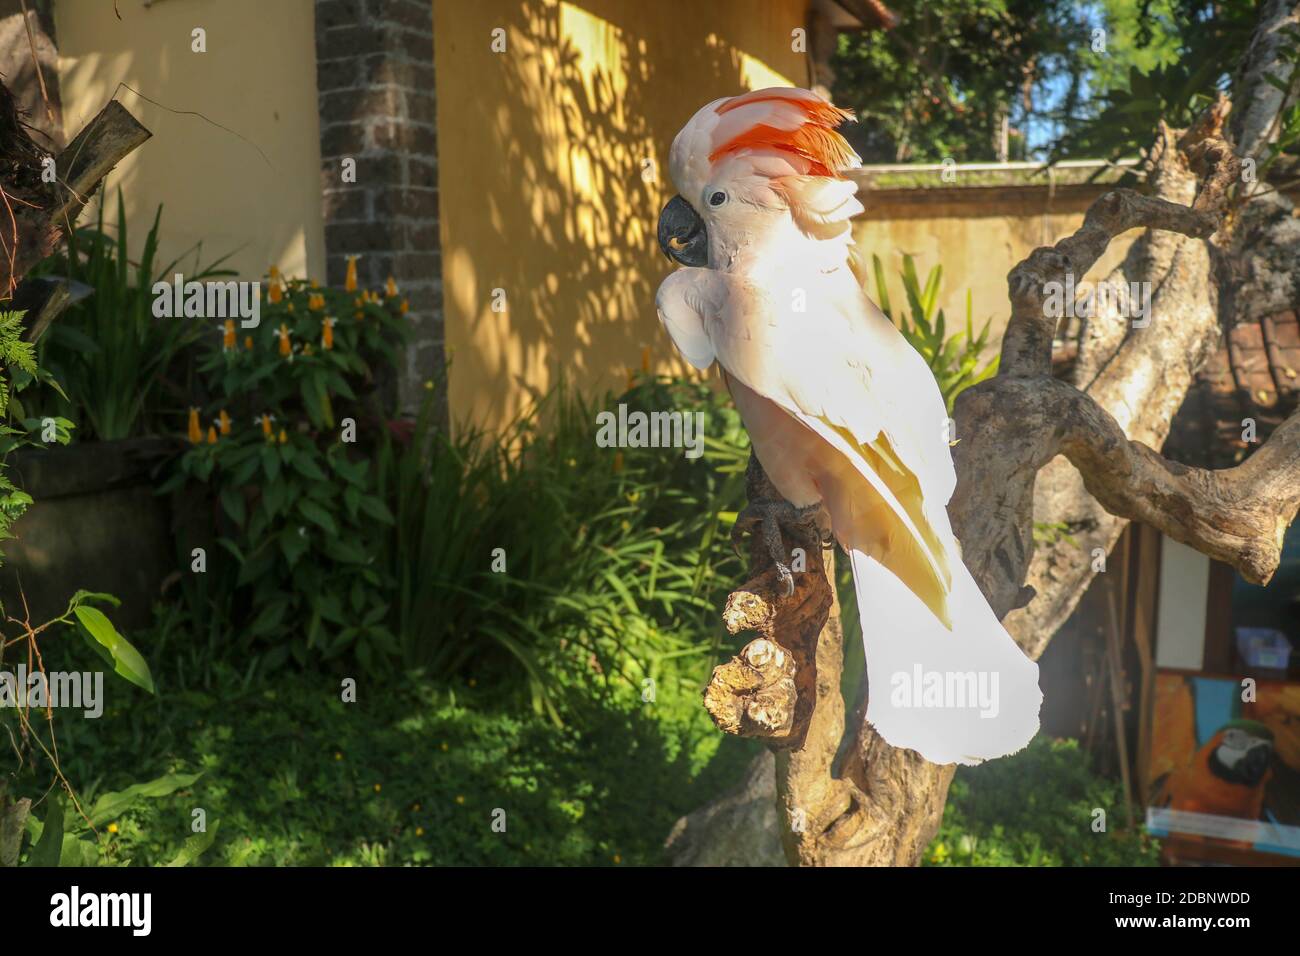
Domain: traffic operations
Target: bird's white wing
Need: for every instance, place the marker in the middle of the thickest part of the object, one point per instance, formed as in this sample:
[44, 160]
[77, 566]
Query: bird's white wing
[683, 301]
[881, 463]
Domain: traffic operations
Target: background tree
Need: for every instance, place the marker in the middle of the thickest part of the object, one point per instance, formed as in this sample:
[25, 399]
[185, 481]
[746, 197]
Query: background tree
[982, 80]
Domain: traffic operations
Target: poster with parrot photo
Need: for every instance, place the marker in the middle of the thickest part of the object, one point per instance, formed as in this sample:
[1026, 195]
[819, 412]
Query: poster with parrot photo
[1225, 763]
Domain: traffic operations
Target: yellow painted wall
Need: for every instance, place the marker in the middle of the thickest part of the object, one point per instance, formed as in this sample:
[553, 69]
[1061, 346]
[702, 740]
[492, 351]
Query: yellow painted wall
[540, 155]
[257, 78]
[976, 246]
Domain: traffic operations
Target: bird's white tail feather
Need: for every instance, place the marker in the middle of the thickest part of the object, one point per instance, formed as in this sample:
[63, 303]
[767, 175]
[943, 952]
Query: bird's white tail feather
[960, 696]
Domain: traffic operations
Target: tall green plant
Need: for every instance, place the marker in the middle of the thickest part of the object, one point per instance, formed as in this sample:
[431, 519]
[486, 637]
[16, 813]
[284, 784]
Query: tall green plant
[109, 350]
[953, 359]
[538, 554]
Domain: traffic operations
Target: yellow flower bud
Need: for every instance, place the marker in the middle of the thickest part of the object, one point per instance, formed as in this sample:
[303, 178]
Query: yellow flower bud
[195, 433]
[350, 283]
[223, 420]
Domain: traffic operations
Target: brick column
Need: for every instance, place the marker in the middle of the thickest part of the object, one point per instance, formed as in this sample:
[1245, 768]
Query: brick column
[374, 81]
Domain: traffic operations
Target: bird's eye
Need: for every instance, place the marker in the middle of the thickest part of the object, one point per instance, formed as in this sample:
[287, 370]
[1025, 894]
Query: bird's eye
[718, 198]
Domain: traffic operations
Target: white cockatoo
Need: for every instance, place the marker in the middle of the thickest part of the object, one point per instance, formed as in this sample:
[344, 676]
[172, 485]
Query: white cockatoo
[843, 414]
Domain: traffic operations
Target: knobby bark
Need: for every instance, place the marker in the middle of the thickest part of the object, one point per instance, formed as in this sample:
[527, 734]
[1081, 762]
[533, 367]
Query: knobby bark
[41, 196]
[1034, 446]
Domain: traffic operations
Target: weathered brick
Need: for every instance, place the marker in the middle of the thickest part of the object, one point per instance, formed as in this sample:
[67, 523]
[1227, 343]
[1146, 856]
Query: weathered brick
[419, 264]
[350, 41]
[407, 203]
[376, 268]
[423, 298]
[380, 170]
[422, 172]
[362, 103]
[351, 238]
[338, 74]
[338, 13]
[403, 13]
[345, 203]
[415, 45]
[407, 73]
[342, 139]
[424, 235]
[402, 135]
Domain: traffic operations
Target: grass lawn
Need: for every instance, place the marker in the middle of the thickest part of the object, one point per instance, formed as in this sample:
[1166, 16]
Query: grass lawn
[416, 772]
[412, 773]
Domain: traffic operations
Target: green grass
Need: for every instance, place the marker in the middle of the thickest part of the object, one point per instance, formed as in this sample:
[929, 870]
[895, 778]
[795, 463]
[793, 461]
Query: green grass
[1038, 808]
[413, 773]
[410, 774]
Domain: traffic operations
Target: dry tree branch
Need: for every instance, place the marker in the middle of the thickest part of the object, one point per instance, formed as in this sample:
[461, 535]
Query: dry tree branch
[102, 143]
[42, 213]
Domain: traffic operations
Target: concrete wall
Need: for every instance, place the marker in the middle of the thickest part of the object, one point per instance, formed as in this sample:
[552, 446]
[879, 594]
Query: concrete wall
[977, 236]
[540, 156]
[253, 188]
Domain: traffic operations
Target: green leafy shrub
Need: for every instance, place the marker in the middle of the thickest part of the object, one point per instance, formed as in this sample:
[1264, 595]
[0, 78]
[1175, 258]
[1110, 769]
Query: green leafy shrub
[1037, 808]
[18, 371]
[614, 559]
[953, 359]
[68, 838]
[295, 412]
[108, 350]
[33, 743]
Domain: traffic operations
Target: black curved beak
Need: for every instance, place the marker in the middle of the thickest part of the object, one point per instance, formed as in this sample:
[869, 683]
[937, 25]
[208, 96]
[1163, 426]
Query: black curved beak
[1255, 764]
[682, 235]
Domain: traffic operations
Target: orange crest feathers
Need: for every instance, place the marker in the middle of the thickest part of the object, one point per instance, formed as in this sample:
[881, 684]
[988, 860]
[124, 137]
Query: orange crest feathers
[792, 121]
[775, 147]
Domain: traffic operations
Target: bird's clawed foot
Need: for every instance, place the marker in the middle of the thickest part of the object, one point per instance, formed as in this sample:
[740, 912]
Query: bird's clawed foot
[768, 516]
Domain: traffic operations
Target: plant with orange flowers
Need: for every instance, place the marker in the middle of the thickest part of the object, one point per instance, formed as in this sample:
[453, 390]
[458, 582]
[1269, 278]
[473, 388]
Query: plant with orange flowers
[283, 428]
